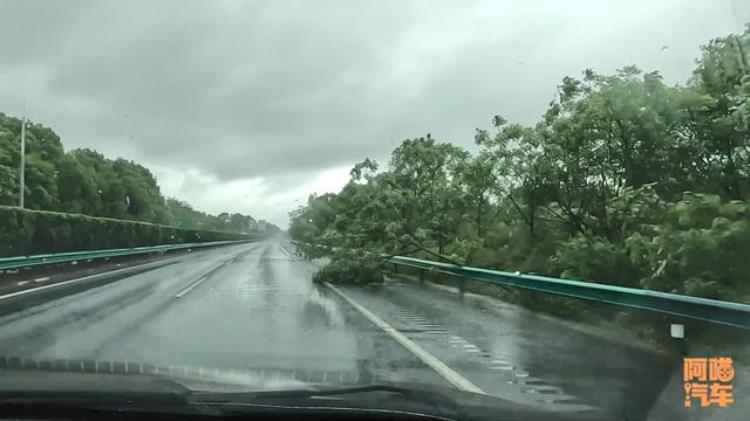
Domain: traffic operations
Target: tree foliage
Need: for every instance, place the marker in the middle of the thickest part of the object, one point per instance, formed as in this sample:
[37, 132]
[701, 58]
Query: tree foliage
[624, 180]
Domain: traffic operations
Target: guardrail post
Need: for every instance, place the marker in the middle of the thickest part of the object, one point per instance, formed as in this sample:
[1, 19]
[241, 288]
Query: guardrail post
[677, 333]
[461, 285]
[395, 268]
[421, 276]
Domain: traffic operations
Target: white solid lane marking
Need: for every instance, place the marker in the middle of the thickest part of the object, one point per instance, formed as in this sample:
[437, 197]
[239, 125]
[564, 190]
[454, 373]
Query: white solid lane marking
[440, 367]
[72, 281]
[191, 287]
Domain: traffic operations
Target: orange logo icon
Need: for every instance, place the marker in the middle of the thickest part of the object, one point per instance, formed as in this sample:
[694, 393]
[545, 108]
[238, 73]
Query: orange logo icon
[708, 380]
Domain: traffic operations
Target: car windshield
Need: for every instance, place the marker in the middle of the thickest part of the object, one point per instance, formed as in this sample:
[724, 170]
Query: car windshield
[538, 204]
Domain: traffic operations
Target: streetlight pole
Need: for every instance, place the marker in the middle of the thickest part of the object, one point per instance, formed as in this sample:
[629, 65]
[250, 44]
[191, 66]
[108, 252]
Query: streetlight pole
[22, 176]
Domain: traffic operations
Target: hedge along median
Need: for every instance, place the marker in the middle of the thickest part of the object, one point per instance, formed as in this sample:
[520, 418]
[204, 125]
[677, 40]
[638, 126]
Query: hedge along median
[27, 232]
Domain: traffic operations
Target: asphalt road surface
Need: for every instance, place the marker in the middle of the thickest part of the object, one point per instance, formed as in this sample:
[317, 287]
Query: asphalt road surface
[252, 308]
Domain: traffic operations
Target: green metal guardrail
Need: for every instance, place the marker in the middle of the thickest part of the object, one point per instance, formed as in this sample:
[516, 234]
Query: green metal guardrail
[18, 262]
[713, 311]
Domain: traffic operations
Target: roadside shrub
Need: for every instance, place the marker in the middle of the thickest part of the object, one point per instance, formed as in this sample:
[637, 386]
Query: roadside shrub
[702, 249]
[595, 259]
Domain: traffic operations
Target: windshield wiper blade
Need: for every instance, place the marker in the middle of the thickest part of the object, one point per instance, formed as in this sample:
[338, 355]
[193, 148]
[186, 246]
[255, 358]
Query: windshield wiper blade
[294, 394]
[398, 402]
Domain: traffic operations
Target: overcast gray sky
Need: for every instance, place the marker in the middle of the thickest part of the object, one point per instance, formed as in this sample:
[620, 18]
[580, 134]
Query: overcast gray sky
[247, 106]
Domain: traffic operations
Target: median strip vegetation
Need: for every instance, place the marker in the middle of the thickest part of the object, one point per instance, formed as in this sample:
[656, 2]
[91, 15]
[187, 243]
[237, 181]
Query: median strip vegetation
[28, 232]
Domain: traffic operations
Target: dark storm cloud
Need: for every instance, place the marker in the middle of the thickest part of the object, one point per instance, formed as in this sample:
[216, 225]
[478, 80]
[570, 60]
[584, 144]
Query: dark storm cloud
[239, 90]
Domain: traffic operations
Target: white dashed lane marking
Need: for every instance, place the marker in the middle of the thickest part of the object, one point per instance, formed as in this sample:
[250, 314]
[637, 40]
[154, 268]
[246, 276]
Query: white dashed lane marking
[190, 288]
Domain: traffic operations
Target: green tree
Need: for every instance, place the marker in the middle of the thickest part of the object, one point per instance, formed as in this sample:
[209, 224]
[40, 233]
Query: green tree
[721, 129]
[84, 181]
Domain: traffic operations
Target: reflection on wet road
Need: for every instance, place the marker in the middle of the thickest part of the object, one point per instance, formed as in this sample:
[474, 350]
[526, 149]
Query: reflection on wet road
[253, 306]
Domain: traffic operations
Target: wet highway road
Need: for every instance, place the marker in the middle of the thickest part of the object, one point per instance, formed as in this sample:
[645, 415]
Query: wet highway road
[242, 307]
[253, 308]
